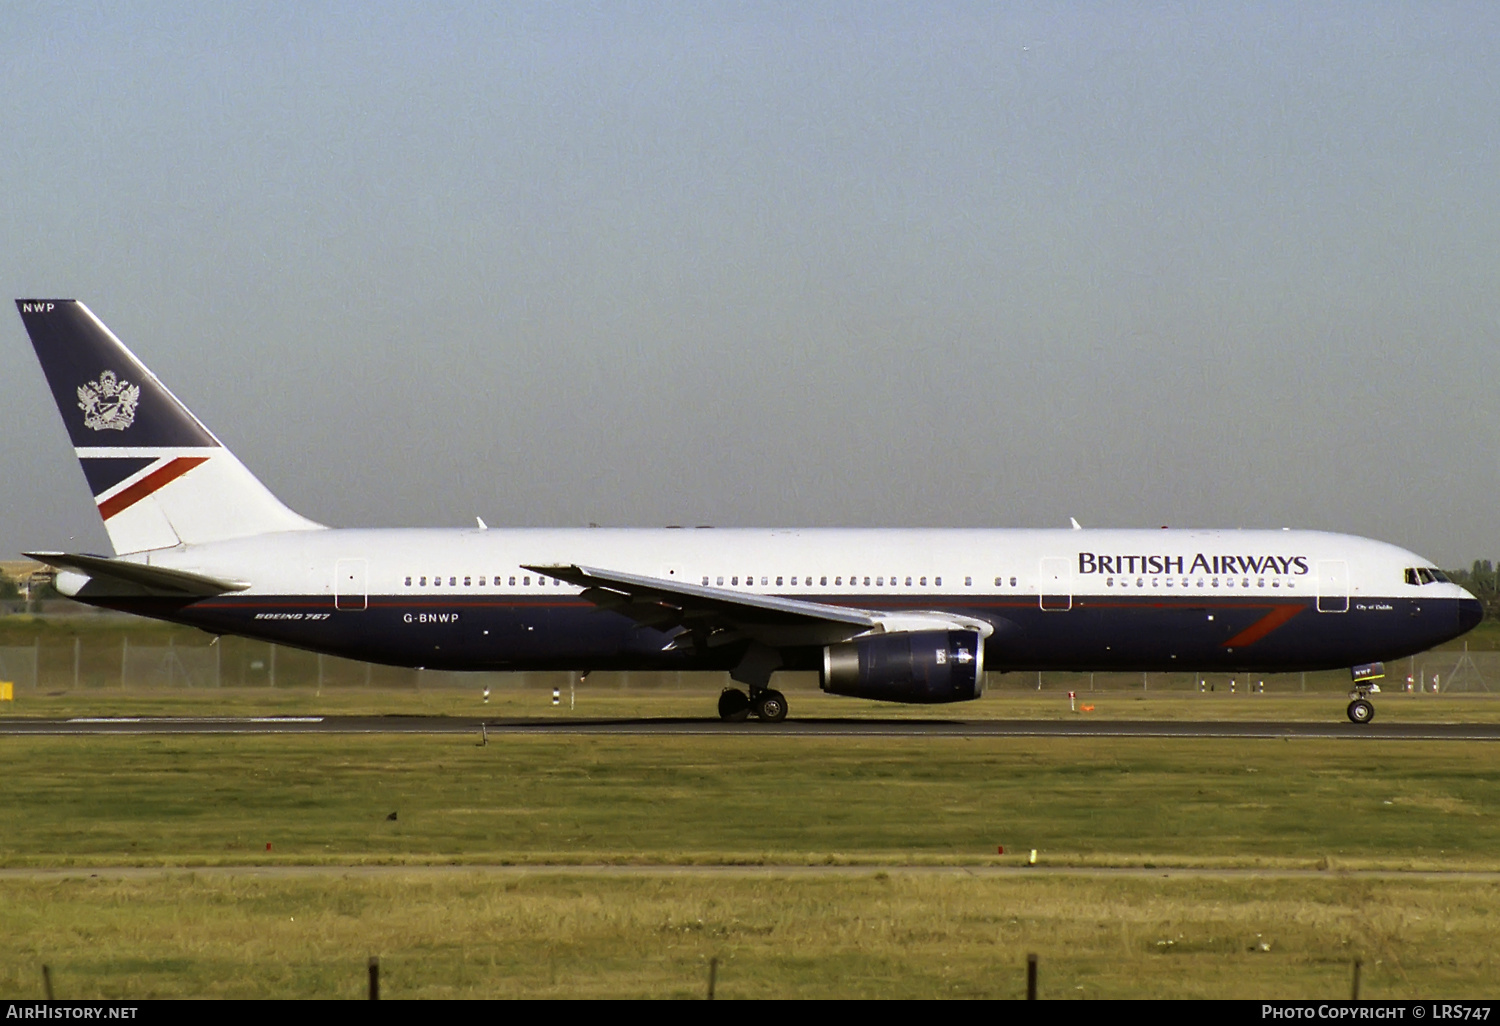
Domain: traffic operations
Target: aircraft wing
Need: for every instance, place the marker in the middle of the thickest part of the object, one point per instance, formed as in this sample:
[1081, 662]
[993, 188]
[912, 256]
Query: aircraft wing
[715, 616]
[155, 579]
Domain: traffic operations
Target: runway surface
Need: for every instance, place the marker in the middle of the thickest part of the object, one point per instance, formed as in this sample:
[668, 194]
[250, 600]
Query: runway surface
[293, 872]
[1339, 730]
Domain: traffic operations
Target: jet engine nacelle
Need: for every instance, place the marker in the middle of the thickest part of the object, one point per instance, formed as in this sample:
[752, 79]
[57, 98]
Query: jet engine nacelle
[915, 666]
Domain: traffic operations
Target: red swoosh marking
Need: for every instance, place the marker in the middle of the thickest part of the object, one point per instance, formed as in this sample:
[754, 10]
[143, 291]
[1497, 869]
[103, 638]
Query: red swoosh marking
[1265, 625]
[124, 499]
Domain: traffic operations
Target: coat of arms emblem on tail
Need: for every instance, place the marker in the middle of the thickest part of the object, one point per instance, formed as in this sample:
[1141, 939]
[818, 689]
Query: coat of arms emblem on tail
[109, 403]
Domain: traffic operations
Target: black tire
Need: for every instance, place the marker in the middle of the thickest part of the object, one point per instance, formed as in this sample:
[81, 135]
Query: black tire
[770, 706]
[734, 705]
[1361, 711]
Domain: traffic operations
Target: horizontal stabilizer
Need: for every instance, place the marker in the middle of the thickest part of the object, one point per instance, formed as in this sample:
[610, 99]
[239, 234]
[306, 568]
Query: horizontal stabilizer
[153, 578]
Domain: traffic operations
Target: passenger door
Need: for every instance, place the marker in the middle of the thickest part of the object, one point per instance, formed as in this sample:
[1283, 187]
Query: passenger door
[349, 584]
[1333, 586]
[1056, 588]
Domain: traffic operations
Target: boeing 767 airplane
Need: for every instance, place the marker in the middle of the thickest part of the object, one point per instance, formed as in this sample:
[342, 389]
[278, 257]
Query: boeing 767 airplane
[893, 615]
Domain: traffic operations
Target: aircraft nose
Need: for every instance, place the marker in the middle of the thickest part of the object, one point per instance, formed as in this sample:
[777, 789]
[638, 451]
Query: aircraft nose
[1470, 612]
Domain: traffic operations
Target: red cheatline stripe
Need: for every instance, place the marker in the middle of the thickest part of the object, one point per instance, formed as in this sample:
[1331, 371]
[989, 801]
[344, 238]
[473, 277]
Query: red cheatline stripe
[124, 499]
[1265, 625]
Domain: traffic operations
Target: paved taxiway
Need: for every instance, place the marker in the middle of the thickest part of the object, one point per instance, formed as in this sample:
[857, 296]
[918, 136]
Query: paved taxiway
[790, 728]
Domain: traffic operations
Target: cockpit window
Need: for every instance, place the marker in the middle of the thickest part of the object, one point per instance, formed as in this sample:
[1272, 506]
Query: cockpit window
[1425, 575]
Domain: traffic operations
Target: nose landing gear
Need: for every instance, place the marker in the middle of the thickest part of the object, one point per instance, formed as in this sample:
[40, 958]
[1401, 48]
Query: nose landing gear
[1365, 675]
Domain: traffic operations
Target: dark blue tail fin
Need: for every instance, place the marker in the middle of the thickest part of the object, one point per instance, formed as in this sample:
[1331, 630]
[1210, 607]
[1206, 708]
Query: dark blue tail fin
[159, 477]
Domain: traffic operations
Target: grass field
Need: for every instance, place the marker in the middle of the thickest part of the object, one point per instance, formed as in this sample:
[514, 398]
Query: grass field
[898, 810]
[187, 800]
[874, 936]
[753, 800]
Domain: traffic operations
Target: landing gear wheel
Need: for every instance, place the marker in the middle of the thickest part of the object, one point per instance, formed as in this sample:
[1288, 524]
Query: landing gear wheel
[1361, 711]
[770, 706]
[734, 705]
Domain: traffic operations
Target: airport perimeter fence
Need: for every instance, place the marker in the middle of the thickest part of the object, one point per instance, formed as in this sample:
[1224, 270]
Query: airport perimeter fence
[1440, 671]
[110, 657]
[129, 663]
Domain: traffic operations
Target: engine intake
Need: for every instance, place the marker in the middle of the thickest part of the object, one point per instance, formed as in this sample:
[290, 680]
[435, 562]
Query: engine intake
[925, 667]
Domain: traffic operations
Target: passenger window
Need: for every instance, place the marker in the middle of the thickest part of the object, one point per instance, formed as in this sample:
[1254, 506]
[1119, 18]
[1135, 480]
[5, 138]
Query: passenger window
[838, 582]
[867, 582]
[408, 582]
[466, 583]
[735, 581]
[778, 582]
[879, 582]
[823, 581]
[763, 582]
[526, 581]
[1012, 582]
[720, 580]
[512, 581]
[705, 582]
[424, 582]
[1109, 582]
[908, 582]
[968, 582]
[937, 582]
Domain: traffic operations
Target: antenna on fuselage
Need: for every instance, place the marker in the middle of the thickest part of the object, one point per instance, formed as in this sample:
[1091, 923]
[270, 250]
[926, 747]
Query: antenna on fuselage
[1076, 525]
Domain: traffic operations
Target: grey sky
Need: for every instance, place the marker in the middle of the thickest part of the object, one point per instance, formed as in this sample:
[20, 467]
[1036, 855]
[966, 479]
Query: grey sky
[1188, 264]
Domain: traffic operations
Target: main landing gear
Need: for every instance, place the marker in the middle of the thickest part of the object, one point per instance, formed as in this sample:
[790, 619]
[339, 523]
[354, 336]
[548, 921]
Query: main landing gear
[767, 703]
